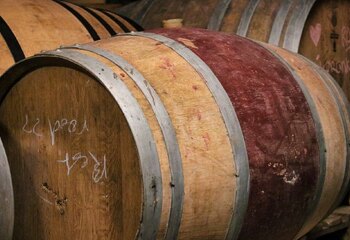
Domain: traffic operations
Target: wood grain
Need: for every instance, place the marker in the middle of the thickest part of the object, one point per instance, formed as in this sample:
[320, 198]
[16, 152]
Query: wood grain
[71, 200]
[45, 25]
[277, 125]
[333, 130]
[203, 146]
[325, 36]
[326, 18]
[275, 114]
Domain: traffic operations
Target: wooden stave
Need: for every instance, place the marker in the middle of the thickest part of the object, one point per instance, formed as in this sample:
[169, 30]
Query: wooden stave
[6, 199]
[234, 132]
[290, 28]
[174, 156]
[286, 28]
[146, 146]
[343, 104]
[317, 213]
[320, 137]
[188, 219]
[97, 30]
[26, 67]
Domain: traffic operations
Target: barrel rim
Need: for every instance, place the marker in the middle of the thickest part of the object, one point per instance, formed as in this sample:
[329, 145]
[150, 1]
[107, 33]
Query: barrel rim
[6, 201]
[247, 17]
[296, 25]
[218, 14]
[168, 132]
[319, 134]
[145, 143]
[333, 86]
[279, 21]
[232, 125]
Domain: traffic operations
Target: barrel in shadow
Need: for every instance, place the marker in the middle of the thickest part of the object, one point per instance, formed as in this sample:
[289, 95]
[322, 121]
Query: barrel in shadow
[175, 134]
[29, 27]
[6, 197]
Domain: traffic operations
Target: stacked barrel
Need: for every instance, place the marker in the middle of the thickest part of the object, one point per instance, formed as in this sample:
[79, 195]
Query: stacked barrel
[317, 29]
[173, 134]
[28, 27]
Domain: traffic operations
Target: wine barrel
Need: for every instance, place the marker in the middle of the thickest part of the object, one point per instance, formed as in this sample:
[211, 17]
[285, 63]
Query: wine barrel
[319, 29]
[6, 197]
[173, 134]
[102, 4]
[46, 24]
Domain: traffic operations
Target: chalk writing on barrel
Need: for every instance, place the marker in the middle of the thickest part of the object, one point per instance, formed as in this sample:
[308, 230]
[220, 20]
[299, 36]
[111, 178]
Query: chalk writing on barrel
[33, 129]
[99, 168]
[63, 123]
[71, 126]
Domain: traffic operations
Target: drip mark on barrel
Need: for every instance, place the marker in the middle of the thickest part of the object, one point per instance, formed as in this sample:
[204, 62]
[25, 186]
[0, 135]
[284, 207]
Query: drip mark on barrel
[11, 41]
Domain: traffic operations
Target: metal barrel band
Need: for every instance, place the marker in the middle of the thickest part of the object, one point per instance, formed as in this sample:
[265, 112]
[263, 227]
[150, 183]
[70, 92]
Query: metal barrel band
[168, 131]
[147, 152]
[231, 122]
[340, 99]
[296, 25]
[218, 14]
[319, 132]
[109, 29]
[11, 41]
[114, 19]
[278, 23]
[82, 20]
[247, 17]
[7, 213]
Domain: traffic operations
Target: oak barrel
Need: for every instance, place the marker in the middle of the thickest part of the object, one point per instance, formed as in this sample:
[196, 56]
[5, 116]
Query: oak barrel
[173, 134]
[317, 29]
[6, 197]
[29, 27]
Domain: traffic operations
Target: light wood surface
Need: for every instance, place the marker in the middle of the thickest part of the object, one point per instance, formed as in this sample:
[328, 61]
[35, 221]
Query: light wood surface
[205, 148]
[202, 145]
[82, 201]
[67, 178]
[45, 25]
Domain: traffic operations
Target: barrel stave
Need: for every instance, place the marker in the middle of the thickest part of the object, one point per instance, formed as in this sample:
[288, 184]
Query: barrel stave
[45, 25]
[191, 109]
[281, 103]
[277, 129]
[333, 128]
